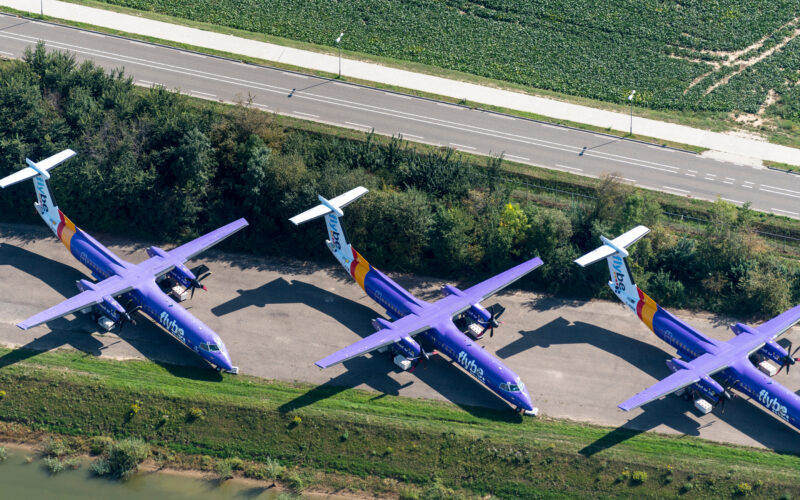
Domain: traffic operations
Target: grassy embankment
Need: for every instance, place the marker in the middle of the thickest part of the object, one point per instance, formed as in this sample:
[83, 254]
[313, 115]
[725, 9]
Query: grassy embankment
[679, 58]
[330, 437]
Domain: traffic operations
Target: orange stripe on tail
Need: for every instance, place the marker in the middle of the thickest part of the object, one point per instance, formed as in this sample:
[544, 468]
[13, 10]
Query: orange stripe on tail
[646, 308]
[66, 229]
[359, 268]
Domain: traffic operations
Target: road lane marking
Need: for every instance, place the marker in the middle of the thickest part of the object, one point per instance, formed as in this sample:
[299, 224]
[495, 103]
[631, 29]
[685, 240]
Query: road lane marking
[401, 96]
[675, 189]
[732, 201]
[784, 211]
[504, 117]
[202, 93]
[144, 82]
[6, 53]
[662, 148]
[570, 168]
[523, 158]
[451, 106]
[547, 125]
[134, 42]
[461, 146]
[692, 171]
[689, 175]
[778, 192]
[304, 77]
[359, 125]
[779, 188]
[410, 135]
[305, 114]
[195, 54]
[262, 106]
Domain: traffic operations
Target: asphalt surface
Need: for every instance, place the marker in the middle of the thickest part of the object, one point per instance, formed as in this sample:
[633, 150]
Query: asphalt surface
[416, 119]
[277, 317]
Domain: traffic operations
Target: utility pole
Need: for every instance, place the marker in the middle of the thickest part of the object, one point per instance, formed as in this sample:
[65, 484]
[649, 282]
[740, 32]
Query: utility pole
[339, 44]
[630, 98]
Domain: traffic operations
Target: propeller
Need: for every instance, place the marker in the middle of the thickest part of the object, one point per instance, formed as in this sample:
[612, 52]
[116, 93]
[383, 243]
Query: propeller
[127, 317]
[492, 323]
[789, 360]
[202, 272]
[424, 355]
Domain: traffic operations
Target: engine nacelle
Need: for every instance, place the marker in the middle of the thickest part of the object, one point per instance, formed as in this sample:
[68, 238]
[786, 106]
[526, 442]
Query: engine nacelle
[773, 351]
[707, 386]
[479, 314]
[109, 306]
[182, 275]
[407, 347]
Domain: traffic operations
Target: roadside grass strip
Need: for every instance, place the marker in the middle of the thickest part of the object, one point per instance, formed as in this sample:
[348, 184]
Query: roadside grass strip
[321, 431]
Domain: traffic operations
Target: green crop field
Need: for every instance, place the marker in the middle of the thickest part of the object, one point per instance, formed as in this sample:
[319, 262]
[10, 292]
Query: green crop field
[725, 55]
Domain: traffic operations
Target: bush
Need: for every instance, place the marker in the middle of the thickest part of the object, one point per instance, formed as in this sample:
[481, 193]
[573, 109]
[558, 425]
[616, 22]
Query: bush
[295, 481]
[99, 445]
[55, 447]
[255, 471]
[100, 467]
[124, 458]
[687, 487]
[52, 464]
[273, 469]
[3, 454]
[223, 469]
[194, 414]
[2, 394]
[639, 477]
[743, 488]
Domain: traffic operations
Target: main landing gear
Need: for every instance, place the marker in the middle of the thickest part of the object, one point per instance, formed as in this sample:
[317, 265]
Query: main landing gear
[528, 413]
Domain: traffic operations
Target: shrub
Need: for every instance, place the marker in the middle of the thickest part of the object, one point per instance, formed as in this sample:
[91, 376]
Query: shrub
[195, 413]
[99, 445]
[134, 409]
[687, 487]
[2, 394]
[3, 454]
[72, 463]
[223, 469]
[743, 488]
[639, 476]
[296, 420]
[273, 469]
[163, 420]
[53, 465]
[255, 471]
[125, 456]
[53, 447]
[100, 467]
[236, 463]
[344, 436]
[295, 481]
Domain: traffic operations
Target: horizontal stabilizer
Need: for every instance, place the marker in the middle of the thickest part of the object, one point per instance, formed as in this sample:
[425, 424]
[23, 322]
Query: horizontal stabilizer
[34, 169]
[328, 206]
[610, 247]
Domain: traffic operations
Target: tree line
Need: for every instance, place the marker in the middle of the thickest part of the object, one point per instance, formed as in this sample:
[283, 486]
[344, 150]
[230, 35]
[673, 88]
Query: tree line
[156, 164]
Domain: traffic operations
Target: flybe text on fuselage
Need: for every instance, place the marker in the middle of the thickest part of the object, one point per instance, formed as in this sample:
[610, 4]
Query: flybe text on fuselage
[171, 325]
[773, 404]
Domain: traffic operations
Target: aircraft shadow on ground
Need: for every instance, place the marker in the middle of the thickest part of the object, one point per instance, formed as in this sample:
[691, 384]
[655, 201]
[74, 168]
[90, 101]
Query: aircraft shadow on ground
[354, 316]
[670, 411]
[147, 338]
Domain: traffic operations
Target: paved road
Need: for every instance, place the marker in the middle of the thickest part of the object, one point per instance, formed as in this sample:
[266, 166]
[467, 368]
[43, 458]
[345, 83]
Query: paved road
[417, 119]
[279, 316]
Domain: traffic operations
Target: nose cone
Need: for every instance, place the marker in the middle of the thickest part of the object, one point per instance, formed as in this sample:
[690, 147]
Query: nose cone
[223, 360]
[525, 400]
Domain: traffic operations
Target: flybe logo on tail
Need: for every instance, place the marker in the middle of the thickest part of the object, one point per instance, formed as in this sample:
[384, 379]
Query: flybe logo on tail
[334, 232]
[471, 366]
[171, 325]
[772, 404]
[619, 275]
[41, 191]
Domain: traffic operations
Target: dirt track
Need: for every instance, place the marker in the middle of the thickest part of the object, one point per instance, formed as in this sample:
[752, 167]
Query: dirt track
[277, 317]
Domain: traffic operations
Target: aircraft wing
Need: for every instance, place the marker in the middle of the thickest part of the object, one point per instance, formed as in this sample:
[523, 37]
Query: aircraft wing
[779, 323]
[403, 327]
[110, 287]
[433, 314]
[487, 288]
[188, 250]
[700, 367]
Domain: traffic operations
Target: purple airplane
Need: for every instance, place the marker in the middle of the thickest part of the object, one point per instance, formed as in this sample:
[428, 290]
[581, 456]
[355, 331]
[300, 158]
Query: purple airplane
[431, 324]
[139, 286]
[741, 363]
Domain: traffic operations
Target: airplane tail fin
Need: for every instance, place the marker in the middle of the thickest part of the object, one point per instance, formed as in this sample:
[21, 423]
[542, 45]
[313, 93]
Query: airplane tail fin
[614, 251]
[39, 172]
[332, 211]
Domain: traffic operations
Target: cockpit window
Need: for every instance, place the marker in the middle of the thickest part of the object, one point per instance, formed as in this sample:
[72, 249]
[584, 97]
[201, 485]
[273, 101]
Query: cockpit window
[511, 387]
[209, 347]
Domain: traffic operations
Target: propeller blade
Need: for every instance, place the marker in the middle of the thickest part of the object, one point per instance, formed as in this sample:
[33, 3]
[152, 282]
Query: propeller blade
[204, 276]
